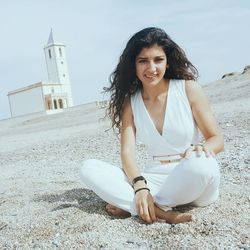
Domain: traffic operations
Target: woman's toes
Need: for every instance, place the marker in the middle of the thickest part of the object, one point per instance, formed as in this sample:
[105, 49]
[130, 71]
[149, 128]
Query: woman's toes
[191, 216]
[108, 208]
[115, 211]
[188, 217]
[111, 210]
[177, 217]
[181, 218]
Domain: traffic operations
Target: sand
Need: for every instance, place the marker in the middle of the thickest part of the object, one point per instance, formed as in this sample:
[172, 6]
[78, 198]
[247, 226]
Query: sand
[44, 205]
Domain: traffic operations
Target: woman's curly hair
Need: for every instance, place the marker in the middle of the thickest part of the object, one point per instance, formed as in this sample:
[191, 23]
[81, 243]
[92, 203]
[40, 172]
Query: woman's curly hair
[124, 82]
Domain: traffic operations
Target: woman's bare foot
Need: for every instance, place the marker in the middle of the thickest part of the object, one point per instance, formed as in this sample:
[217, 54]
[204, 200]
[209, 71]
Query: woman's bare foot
[173, 217]
[117, 212]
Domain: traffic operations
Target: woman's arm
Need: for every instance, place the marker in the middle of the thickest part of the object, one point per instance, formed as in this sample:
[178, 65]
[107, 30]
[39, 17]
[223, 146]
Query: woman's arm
[204, 118]
[144, 200]
[128, 142]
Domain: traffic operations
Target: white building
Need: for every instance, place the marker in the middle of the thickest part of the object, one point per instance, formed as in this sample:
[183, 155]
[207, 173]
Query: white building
[51, 96]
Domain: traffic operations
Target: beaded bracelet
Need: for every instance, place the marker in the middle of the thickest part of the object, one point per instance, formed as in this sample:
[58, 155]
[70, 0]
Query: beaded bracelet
[138, 178]
[139, 189]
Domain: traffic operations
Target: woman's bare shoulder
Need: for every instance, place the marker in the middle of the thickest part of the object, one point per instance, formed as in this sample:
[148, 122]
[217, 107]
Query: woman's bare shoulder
[194, 91]
[127, 102]
[127, 110]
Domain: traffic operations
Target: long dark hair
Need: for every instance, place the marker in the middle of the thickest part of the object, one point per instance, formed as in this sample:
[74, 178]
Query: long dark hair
[124, 82]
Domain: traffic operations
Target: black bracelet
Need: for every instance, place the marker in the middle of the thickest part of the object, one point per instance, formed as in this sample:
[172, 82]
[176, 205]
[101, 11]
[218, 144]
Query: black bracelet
[138, 178]
[139, 189]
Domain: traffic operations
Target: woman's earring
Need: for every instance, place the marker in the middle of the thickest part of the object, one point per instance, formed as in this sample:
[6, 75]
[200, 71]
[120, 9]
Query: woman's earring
[138, 82]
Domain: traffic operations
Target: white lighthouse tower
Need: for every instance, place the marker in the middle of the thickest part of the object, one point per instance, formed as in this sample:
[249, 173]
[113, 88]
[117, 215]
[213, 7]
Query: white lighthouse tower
[57, 67]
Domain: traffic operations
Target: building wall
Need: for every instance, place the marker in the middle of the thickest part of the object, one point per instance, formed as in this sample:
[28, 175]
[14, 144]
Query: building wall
[52, 89]
[55, 93]
[26, 102]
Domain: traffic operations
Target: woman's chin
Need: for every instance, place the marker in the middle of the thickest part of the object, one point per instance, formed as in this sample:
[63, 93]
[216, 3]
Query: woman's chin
[151, 82]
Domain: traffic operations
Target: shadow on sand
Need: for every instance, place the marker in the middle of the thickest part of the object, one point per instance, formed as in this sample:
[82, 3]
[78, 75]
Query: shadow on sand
[81, 198]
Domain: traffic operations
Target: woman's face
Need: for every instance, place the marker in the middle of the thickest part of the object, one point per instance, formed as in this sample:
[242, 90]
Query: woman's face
[151, 65]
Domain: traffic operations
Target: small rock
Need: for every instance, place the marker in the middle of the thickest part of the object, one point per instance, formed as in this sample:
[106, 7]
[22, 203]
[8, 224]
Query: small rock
[242, 247]
[3, 225]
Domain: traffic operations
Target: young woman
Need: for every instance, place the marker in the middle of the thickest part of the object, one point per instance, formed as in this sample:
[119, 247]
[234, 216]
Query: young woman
[155, 99]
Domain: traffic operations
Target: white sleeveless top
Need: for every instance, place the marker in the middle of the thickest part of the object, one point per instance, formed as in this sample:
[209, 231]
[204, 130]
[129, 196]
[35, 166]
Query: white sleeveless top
[179, 128]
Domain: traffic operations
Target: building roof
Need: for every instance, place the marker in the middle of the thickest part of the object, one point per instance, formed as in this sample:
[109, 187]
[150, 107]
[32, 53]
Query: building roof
[51, 39]
[32, 86]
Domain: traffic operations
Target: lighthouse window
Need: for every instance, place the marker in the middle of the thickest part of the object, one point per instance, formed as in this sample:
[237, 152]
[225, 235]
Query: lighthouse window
[60, 103]
[49, 53]
[55, 104]
[64, 75]
[60, 51]
[61, 62]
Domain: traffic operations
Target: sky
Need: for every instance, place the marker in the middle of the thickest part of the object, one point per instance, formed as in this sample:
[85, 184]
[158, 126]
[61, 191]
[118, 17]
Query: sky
[214, 35]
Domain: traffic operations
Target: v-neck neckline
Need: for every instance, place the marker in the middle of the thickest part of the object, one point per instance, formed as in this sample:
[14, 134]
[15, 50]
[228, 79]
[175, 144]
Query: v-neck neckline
[165, 113]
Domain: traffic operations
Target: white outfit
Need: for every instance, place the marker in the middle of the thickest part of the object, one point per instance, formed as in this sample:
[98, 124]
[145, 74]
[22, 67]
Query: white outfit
[194, 180]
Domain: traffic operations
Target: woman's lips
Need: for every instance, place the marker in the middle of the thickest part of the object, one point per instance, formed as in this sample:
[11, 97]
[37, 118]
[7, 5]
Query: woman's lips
[151, 76]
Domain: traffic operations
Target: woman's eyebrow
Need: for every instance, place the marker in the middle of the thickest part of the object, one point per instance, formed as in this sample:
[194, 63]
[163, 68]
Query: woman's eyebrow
[139, 58]
[161, 56]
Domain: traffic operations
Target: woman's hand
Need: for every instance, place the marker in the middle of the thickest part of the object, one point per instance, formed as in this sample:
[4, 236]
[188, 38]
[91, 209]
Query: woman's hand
[145, 206]
[200, 147]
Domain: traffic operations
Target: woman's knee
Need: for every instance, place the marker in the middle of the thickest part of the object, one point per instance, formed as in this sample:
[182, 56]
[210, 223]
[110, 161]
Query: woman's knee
[209, 196]
[87, 167]
[202, 165]
[90, 163]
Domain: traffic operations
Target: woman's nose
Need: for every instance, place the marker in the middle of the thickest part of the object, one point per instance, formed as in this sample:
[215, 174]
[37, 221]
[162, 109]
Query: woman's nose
[152, 66]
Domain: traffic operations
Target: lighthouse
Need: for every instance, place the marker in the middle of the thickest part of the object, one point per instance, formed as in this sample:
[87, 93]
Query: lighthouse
[57, 66]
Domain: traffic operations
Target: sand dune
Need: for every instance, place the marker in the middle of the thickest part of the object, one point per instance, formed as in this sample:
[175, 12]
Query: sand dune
[44, 205]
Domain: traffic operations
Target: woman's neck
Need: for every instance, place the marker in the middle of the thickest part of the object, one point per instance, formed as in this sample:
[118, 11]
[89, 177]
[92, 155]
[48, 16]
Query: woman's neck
[151, 93]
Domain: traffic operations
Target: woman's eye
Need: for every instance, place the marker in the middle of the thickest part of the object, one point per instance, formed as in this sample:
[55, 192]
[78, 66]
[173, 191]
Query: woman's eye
[142, 61]
[159, 60]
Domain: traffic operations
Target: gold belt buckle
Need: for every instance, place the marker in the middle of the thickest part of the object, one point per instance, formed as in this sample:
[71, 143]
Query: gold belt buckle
[165, 159]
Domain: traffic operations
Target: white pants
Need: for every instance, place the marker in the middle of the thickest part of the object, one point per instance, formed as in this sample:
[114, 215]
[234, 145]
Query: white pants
[194, 180]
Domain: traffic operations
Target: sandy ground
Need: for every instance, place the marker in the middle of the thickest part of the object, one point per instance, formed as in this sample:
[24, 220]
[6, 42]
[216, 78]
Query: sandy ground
[44, 205]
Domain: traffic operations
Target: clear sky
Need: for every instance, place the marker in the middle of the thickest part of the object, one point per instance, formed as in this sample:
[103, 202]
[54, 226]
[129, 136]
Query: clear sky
[214, 34]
